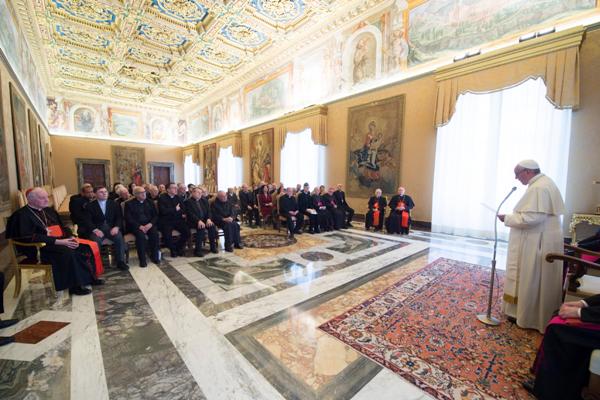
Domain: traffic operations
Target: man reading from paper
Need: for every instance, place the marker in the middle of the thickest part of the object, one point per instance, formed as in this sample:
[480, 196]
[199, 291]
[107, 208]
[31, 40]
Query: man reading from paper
[533, 286]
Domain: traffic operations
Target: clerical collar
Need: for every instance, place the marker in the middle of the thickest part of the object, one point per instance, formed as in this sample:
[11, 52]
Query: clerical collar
[34, 209]
[101, 201]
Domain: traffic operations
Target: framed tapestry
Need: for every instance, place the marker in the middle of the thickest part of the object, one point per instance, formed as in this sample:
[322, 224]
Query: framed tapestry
[128, 164]
[261, 156]
[34, 142]
[21, 139]
[4, 170]
[374, 147]
[209, 153]
[93, 171]
[161, 172]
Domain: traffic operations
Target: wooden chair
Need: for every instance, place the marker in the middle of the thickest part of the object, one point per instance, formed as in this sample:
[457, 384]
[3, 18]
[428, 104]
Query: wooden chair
[577, 267]
[22, 263]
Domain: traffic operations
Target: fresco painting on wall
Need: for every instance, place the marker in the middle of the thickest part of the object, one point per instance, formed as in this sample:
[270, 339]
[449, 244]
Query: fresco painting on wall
[84, 120]
[159, 129]
[199, 125]
[21, 139]
[125, 124]
[210, 166]
[374, 139]
[269, 95]
[34, 142]
[363, 68]
[261, 156]
[4, 170]
[128, 164]
[182, 130]
[440, 28]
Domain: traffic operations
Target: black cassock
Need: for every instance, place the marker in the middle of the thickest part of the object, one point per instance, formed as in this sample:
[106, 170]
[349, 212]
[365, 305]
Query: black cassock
[393, 224]
[338, 215]
[70, 267]
[376, 204]
[220, 210]
[323, 216]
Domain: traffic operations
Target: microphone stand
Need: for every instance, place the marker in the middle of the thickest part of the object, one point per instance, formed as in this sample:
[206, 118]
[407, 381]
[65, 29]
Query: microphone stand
[487, 317]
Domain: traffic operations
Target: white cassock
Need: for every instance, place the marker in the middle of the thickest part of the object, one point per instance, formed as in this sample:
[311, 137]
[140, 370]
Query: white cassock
[533, 286]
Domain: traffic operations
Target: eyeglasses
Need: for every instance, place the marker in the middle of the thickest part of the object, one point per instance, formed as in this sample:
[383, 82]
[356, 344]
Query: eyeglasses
[519, 173]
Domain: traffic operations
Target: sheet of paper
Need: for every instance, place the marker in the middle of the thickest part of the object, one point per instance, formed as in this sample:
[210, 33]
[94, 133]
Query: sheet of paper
[487, 207]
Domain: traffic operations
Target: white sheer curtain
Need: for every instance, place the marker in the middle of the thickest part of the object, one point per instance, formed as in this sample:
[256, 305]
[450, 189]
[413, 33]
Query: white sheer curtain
[478, 149]
[191, 171]
[229, 169]
[302, 160]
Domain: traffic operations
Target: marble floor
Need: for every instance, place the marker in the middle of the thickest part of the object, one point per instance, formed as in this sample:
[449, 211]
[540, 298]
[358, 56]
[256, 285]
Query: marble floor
[237, 325]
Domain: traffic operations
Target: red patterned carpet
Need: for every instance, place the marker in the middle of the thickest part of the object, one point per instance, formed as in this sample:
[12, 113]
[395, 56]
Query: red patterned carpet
[424, 328]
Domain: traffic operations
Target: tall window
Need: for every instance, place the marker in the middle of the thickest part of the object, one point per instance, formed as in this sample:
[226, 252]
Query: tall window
[478, 149]
[191, 171]
[229, 169]
[302, 160]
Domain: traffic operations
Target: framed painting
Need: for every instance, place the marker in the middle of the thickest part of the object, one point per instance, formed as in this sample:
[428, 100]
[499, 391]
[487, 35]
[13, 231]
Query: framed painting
[209, 153]
[374, 147]
[268, 95]
[21, 140]
[93, 171]
[4, 170]
[128, 164]
[261, 156]
[36, 156]
[161, 172]
[125, 124]
[46, 151]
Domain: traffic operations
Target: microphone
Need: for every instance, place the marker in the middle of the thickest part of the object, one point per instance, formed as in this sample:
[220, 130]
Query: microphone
[487, 318]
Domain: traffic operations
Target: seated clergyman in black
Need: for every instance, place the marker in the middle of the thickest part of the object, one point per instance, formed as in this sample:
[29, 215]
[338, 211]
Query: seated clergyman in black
[340, 198]
[77, 204]
[306, 207]
[103, 220]
[249, 205]
[288, 208]
[198, 217]
[141, 220]
[171, 217]
[4, 340]
[337, 214]
[223, 216]
[72, 265]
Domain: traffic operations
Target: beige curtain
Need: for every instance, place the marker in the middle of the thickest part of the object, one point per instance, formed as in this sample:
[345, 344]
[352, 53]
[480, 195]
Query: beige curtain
[554, 58]
[313, 118]
[233, 139]
[194, 151]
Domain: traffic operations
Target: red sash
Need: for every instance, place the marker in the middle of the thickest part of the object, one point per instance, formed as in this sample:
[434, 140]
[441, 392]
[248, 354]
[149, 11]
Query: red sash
[404, 215]
[56, 231]
[376, 214]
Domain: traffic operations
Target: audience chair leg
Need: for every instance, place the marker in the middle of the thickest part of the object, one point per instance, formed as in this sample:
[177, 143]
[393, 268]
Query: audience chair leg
[17, 282]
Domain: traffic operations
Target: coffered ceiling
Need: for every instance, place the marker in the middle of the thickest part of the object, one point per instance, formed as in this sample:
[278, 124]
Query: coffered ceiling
[164, 53]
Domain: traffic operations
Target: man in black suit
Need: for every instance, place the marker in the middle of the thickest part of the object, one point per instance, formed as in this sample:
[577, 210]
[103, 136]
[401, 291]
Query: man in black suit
[306, 207]
[562, 363]
[340, 198]
[77, 205]
[4, 340]
[171, 217]
[288, 208]
[232, 197]
[198, 217]
[249, 205]
[104, 220]
[223, 217]
[141, 220]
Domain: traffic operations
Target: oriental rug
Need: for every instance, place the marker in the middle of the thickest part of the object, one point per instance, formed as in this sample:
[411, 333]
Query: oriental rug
[424, 328]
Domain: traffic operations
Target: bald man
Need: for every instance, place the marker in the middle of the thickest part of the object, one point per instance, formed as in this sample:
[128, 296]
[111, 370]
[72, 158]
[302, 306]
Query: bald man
[223, 216]
[533, 286]
[36, 222]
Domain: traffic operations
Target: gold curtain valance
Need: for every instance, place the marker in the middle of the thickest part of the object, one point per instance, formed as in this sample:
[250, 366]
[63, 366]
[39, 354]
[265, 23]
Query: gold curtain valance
[194, 151]
[233, 139]
[554, 58]
[313, 118]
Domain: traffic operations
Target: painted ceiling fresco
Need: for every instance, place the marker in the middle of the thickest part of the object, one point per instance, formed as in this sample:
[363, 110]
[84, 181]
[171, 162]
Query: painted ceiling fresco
[162, 53]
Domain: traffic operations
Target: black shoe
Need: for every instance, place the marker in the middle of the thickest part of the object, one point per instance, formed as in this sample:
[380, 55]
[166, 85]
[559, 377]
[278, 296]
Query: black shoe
[7, 322]
[143, 264]
[512, 320]
[214, 250]
[98, 282]
[122, 266]
[528, 385]
[198, 254]
[154, 260]
[311, 231]
[229, 249]
[4, 340]
[173, 254]
[80, 291]
[317, 231]
[297, 232]
[238, 246]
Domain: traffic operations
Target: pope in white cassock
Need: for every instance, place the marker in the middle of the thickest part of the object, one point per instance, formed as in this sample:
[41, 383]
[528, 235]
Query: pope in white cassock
[533, 286]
